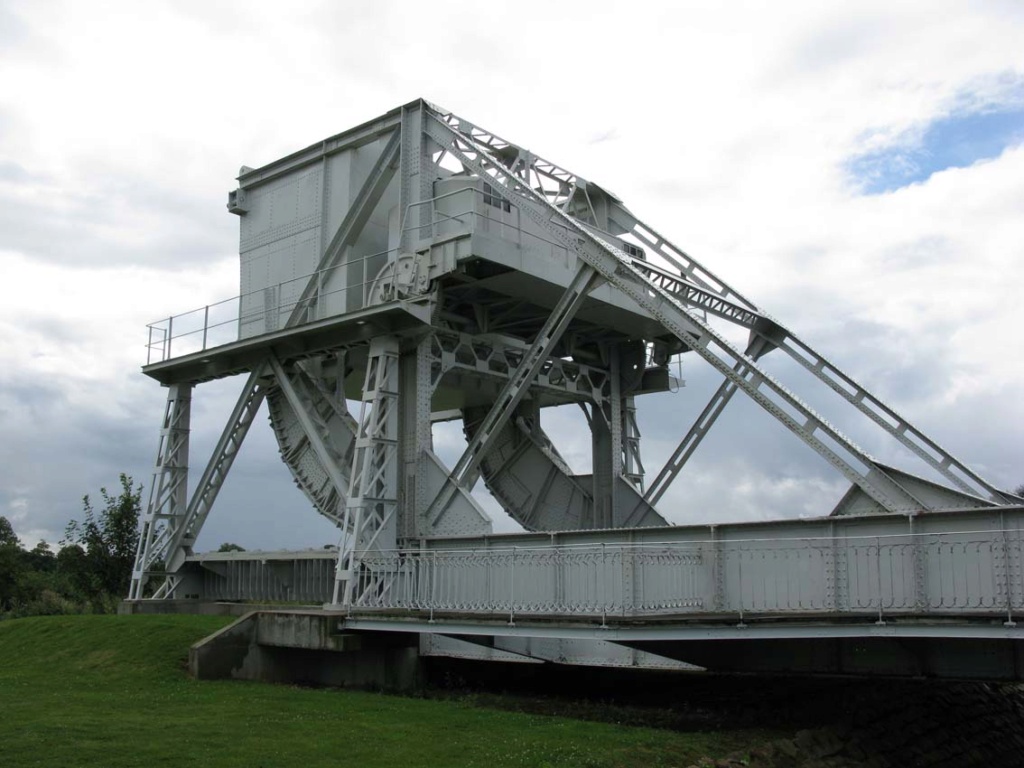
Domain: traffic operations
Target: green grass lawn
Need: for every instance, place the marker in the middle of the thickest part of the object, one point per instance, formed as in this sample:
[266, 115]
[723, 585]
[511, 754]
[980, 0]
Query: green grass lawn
[113, 691]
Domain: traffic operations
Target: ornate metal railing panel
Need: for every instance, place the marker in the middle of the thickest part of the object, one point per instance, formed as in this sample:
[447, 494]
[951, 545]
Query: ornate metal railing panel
[574, 581]
[910, 574]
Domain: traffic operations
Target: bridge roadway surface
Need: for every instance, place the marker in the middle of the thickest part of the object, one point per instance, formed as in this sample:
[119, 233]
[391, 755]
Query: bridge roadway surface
[936, 594]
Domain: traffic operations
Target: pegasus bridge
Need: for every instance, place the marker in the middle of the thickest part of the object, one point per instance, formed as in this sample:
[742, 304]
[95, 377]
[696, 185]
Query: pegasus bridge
[430, 271]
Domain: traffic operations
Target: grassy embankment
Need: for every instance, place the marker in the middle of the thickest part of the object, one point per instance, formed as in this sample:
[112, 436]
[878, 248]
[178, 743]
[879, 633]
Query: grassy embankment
[112, 691]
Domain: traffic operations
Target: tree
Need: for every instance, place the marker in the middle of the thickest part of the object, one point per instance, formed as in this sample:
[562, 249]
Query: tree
[12, 566]
[108, 539]
[227, 546]
[7, 535]
[40, 558]
[1019, 490]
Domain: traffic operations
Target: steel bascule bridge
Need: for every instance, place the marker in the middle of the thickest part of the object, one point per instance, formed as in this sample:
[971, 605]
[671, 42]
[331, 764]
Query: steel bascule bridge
[431, 271]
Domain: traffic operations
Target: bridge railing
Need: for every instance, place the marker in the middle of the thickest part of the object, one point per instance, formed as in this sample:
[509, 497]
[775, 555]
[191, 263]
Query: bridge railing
[975, 572]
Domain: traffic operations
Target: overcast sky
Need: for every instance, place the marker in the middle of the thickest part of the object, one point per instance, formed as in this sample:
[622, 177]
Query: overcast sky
[857, 169]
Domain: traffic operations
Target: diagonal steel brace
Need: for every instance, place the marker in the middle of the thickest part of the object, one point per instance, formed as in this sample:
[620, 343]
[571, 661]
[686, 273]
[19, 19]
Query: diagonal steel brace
[464, 473]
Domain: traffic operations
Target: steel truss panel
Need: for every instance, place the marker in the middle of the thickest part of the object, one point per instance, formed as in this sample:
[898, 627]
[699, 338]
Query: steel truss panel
[878, 567]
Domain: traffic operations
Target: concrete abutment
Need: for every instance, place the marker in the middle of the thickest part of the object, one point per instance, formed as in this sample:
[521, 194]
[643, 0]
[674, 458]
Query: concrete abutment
[307, 649]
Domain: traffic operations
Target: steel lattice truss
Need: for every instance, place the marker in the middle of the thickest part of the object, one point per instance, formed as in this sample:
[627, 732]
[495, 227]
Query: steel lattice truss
[431, 321]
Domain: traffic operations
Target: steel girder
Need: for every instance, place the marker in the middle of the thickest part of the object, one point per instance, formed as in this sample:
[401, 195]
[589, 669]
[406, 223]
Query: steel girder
[632, 465]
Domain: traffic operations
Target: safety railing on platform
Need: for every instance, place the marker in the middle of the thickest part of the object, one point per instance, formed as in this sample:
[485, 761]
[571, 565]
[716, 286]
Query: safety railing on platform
[343, 287]
[978, 572]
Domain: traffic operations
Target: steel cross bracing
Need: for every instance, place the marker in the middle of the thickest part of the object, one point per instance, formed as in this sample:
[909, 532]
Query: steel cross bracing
[700, 427]
[776, 336]
[664, 306]
[224, 453]
[499, 357]
[779, 337]
[463, 475]
[700, 287]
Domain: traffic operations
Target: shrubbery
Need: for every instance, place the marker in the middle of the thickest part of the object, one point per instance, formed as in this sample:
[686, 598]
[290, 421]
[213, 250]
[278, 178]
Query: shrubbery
[91, 571]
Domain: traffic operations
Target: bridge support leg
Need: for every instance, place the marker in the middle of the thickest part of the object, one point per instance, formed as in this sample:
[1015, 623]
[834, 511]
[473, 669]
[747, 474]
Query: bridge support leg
[418, 378]
[370, 513]
[168, 493]
[607, 447]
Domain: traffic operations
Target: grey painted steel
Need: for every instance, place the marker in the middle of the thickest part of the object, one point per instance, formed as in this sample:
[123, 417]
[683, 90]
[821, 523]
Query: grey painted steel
[355, 219]
[464, 474]
[223, 456]
[314, 433]
[535, 650]
[302, 577]
[372, 505]
[429, 268]
[686, 325]
[336, 429]
[663, 633]
[963, 574]
[963, 565]
[168, 493]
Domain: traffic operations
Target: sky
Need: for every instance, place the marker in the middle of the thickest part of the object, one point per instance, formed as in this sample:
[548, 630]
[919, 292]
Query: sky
[857, 169]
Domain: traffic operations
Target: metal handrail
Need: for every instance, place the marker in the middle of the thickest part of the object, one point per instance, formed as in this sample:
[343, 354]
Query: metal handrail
[161, 348]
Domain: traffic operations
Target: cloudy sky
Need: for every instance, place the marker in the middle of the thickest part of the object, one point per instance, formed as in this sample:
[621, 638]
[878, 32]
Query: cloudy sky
[855, 168]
